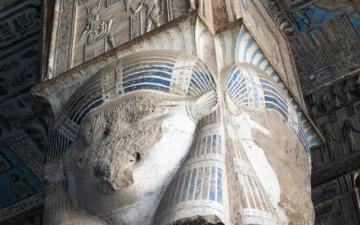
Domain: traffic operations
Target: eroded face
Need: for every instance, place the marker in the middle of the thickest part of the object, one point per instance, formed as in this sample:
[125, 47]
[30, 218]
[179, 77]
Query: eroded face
[113, 140]
[126, 153]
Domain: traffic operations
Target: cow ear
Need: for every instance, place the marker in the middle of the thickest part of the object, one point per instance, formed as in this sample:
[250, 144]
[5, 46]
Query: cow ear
[202, 105]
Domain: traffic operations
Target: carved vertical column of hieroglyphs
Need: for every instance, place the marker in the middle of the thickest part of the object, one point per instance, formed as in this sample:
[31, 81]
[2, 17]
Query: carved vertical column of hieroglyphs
[64, 36]
[198, 189]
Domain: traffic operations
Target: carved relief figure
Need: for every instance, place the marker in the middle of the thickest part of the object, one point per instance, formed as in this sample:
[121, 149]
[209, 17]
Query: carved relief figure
[92, 18]
[349, 132]
[336, 98]
[153, 12]
[331, 139]
[348, 89]
[96, 30]
[326, 103]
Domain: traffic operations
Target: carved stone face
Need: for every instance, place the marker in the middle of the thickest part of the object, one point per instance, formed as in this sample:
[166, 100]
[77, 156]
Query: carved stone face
[125, 154]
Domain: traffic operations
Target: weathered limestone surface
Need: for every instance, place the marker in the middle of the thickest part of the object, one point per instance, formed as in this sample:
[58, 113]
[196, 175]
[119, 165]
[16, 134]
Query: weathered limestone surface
[184, 125]
[290, 164]
[120, 164]
[266, 163]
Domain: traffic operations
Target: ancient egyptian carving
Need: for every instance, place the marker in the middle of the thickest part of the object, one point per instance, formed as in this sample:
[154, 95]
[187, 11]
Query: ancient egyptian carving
[96, 30]
[115, 161]
[122, 147]
[145, 16]
[155, 138]
[349, 132]
[338, 5]
[331, 139]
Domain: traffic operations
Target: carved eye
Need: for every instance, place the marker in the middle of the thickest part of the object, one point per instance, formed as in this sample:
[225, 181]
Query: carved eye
[135, 157]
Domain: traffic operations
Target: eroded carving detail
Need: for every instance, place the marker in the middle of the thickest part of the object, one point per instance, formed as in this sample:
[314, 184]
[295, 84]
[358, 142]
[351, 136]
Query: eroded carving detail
[63, 56]
[145, 16]
[118, 148]
[96, 33]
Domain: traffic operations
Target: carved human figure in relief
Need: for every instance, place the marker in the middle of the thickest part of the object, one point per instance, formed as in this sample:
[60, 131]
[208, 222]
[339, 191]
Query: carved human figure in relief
[95, 28]
[116, 165]
[153, 10]
[154, 13]
[349, 132]
[331, 139]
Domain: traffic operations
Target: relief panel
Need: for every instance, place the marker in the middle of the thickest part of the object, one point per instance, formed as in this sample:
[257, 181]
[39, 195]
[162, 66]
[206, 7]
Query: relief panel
[89, 28]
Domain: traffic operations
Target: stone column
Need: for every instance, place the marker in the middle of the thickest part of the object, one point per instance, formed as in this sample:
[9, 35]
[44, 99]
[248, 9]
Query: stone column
[204, 131]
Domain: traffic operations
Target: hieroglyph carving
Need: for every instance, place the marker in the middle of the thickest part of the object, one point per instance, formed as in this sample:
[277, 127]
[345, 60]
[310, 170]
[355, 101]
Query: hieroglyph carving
[86, 28]
[63, 56]
[349, 131]
[145, 16]
[96, 33]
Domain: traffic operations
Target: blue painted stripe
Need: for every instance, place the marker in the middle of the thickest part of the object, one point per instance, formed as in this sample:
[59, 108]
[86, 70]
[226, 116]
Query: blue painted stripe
[255, 53]
[237, 85]
[275, 101]
[199, 83]
[249, 44]
[239, 88]
[149, 80]
[272, 93]
[241, 96]
[148, 68]
[261, 61]
[273, 74]
[270, 105]
[238, 43]
[275, 90]
[234, 73]
[197, 75]
[196, 85]
[314, 141]
[267, 66]
[98, 101]
[207, 71]
[147, 74]
[146, 87]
